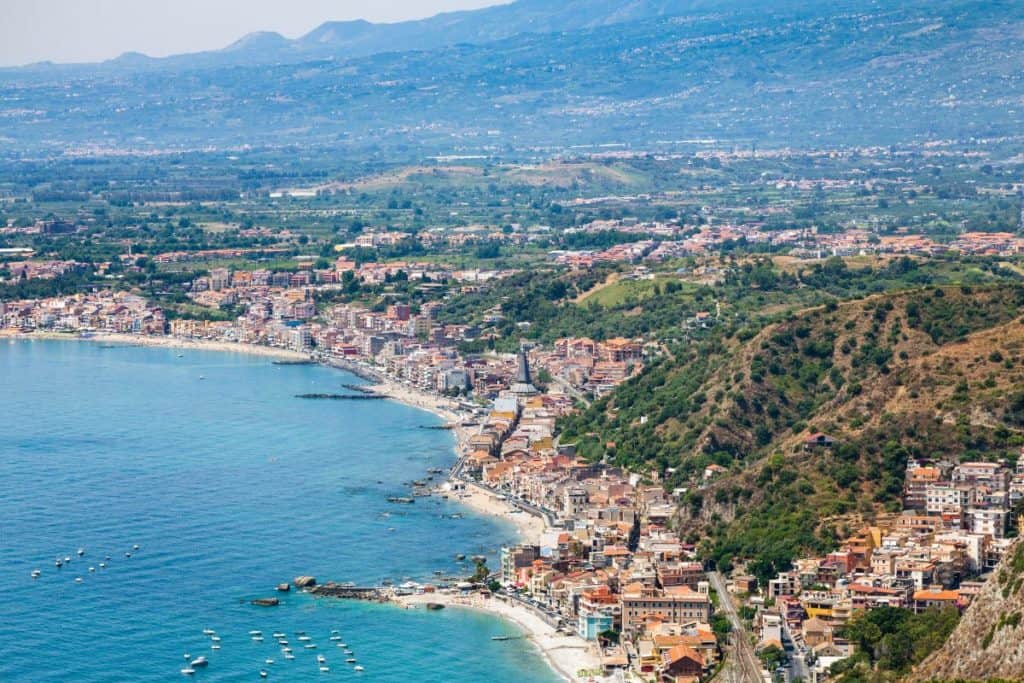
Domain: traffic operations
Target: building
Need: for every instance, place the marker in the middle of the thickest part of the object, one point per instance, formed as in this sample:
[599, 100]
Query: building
[676, 606]
[515, 558]
[522, 384]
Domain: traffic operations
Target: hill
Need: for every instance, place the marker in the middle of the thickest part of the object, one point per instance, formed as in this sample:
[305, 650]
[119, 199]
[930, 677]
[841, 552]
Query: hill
[933, 372]
[627, 76]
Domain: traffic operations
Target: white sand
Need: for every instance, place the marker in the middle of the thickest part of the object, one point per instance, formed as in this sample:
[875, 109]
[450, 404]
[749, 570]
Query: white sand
[573, 658]
[483, 502]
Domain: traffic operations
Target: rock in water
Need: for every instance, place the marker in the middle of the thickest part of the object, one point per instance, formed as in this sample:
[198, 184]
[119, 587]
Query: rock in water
[304, 581]
[283, 587]
[266, 602]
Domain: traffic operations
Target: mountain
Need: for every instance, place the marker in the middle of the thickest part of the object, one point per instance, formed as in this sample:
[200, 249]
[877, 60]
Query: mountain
[622, 73]
[360, 38]
[988, 643]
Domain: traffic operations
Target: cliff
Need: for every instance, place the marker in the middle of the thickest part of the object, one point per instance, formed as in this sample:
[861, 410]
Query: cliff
[989, 640]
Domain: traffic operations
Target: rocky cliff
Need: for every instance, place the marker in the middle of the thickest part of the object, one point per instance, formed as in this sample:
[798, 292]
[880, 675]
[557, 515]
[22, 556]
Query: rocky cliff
[989, 640]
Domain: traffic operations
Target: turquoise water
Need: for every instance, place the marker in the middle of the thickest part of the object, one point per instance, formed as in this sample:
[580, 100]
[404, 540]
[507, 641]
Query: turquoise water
[229, 486]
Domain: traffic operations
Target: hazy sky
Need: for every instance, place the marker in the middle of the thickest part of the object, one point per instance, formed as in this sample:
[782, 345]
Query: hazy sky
[93, 30]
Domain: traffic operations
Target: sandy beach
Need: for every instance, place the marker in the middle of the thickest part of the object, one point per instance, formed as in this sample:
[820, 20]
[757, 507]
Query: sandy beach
[483, 502]
[571, 657]
[165, 343]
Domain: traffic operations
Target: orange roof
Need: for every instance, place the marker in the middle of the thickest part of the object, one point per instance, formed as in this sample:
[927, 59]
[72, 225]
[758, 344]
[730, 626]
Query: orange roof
[932, 595]
[683, 652]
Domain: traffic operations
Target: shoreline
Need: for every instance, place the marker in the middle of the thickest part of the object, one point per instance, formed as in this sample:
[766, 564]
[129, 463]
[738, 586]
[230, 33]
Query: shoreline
[566, 655]
[162, 343]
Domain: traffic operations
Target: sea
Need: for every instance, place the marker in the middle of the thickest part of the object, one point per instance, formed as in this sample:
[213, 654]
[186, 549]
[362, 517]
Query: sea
[201, 482]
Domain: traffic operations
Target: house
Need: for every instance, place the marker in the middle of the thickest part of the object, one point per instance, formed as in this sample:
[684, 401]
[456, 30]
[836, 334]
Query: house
[681, 663]
[935, 597]
[818, 440]
[816, 631]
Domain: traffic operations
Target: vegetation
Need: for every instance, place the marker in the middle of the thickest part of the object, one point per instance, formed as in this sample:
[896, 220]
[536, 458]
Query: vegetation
[891, 640]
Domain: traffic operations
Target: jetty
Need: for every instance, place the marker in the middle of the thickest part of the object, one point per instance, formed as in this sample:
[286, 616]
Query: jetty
[343, 397]
[295, 362]
[361, 388]
[350, 592]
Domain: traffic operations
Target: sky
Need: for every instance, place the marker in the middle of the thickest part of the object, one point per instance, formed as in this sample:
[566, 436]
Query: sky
[94, 30]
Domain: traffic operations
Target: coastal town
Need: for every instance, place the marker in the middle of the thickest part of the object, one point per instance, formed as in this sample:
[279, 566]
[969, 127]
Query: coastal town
[600, 576]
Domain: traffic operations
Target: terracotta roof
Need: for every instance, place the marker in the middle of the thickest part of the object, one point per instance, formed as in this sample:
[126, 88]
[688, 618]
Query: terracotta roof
[683, 652]
[928, 595]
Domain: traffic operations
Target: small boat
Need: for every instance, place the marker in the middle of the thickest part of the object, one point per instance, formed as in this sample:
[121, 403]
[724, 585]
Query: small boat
[92, 569]
[350, 660]
[188, 671]
[255, 633]
[78, 579]
[127, 554]
[311, 646]
[135, 547]
[321, 659]
[257, 639]
[187, 656]
[335, 638]
[342, 645]
[58, 564]
[202, 377]
[269, 661]
[358, 668]
[215, 646]
[263, 673]
[199, 662]
[304, 639]
[280, 635]
[289, 655]
[206, 631]
[215, 639]
[103, 565]
[81, 551]
[286, 650]
[324, 669]
[36, 573]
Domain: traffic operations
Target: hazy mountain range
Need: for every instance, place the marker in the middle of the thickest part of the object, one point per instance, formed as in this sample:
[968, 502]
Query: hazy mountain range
[544, 75]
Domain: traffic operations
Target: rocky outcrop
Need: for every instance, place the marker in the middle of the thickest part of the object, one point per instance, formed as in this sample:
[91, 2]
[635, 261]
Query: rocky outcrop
[304, 582]
[283, 587]
[989, 640]
[266, 602]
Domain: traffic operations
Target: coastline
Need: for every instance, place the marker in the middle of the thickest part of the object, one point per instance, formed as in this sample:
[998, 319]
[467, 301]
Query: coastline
[569, 656]
[163, 343]
[566, 655]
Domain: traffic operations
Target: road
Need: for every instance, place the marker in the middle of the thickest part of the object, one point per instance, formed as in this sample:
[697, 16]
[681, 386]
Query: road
[746, 667]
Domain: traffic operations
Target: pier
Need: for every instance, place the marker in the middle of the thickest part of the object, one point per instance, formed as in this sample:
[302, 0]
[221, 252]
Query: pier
[343, 397]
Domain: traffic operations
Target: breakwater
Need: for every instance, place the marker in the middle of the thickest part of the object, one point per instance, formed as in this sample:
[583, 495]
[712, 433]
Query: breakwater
[343, 397]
